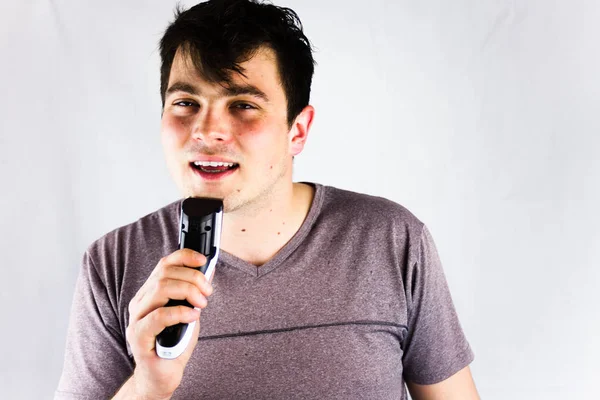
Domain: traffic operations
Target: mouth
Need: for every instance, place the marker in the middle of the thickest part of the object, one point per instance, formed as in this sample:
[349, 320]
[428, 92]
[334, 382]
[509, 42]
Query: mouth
[212, 171]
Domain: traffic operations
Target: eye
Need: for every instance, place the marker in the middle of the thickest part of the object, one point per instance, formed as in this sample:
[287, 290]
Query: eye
[244, 106]
[185, 103]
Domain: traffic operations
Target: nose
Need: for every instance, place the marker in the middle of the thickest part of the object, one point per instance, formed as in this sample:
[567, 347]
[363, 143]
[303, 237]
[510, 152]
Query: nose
[211, 126]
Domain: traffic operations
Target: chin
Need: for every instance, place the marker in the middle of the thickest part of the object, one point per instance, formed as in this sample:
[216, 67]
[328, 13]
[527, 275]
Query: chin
[195, 190]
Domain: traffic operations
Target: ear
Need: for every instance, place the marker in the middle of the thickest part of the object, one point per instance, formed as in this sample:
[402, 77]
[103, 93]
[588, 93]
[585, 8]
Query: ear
[299, 130]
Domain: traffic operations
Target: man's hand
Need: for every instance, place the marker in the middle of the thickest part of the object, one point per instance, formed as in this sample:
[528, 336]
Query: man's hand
[154, 377]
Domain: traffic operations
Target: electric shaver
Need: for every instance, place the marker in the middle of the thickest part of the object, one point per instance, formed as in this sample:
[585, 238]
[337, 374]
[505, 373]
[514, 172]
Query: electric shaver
[200, 230]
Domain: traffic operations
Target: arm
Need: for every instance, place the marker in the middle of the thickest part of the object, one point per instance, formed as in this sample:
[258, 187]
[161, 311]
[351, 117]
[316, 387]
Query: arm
[459, 386]
[96, 362]
[96, 359]
[129, 391]
[437, 353]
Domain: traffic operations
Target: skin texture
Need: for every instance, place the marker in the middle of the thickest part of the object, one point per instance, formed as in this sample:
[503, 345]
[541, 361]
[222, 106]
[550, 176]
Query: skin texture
[263, 207]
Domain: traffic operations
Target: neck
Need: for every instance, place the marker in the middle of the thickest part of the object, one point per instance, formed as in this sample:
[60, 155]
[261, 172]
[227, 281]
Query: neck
[256, 232]
[257, 218]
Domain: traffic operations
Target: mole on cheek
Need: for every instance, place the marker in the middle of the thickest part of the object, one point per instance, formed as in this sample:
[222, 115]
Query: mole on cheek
[243, 230]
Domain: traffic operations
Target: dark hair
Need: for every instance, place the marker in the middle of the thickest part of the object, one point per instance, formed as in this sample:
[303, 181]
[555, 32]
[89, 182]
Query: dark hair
[219, 35]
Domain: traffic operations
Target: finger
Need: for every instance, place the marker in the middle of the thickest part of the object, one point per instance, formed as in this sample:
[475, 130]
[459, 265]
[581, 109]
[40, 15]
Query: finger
[182, 273]
[191, 275]
[182, 258]
[165, 269]
[154, 323]
[164, 291]
[142, 335]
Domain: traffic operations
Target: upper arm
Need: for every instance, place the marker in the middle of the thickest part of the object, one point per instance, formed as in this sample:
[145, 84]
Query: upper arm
[459, 386]
[435, 346]
[96, 362]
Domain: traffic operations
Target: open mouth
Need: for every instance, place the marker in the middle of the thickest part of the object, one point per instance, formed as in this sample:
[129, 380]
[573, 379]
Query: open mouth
[214, 170]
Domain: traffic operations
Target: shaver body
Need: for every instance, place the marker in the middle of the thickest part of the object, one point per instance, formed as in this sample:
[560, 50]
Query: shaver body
[200, 230]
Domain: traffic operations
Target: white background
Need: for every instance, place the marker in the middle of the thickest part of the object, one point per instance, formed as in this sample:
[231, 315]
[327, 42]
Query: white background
[481, 117]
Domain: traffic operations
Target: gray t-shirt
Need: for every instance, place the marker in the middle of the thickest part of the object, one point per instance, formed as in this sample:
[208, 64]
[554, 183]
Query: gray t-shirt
[355, 303]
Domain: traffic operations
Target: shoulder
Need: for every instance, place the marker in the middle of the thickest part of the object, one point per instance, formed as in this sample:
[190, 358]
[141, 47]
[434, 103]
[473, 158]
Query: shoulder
[368, 208]
[147, 232]
[372, 221]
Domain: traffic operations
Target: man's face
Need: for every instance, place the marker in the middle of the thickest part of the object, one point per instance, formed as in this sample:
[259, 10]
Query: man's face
[244, 123]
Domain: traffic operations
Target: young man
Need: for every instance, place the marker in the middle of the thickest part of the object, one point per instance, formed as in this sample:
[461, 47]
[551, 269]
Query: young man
[319, 293]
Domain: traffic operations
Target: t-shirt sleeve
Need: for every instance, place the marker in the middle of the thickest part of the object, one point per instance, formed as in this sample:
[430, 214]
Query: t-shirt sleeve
[435, 347]
[96, 361]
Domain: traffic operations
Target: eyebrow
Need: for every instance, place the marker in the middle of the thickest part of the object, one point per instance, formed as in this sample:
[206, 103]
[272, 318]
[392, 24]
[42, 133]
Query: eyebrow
[230, 90]
[181, 87]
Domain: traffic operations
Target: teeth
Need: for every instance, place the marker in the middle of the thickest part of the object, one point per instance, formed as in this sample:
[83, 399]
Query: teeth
[212, 164]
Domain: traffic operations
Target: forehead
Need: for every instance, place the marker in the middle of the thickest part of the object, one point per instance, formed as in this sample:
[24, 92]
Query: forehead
[260, 70]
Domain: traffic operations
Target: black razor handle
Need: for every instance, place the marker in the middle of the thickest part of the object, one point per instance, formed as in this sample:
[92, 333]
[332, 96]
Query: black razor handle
[199, 230]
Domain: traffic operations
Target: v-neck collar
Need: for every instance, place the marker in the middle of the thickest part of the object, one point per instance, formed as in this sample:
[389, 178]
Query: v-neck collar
[287, 249]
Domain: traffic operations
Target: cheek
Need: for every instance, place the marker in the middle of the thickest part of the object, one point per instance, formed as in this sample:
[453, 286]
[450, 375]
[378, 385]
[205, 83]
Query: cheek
[247, 128]
[261, 138]
[174, 131]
